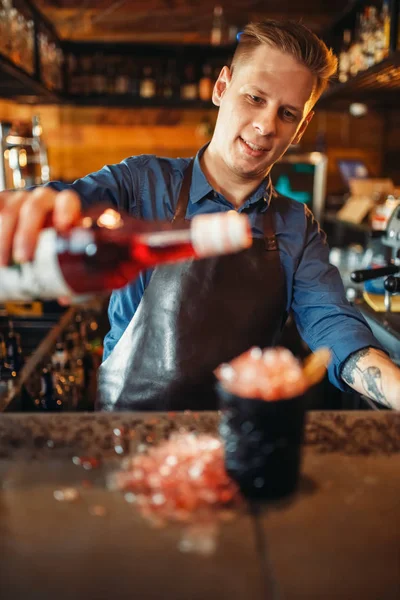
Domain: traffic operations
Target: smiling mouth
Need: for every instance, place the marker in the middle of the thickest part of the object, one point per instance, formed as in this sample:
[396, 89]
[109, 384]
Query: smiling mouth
[254, 146]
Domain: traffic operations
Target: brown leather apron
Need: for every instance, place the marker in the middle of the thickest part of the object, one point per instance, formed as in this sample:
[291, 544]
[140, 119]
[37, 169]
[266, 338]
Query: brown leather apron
[193, 316]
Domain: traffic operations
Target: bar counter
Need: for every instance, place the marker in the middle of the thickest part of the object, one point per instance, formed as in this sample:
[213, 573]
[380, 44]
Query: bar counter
[338, 537]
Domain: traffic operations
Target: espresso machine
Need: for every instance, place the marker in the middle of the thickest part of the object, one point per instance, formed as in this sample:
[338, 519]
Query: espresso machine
[390, 239]
[385, 321]
[23, 155]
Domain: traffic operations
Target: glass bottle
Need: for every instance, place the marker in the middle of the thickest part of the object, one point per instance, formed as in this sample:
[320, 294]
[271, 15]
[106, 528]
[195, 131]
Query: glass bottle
[383, 33]
[110, 249]
[30, 47]
[189, 89]
[344, 57]
[217, 30]
[122, 82]
[356, 49]
[4, 27]
[3, 358]
[371, 29]
[147, 83]
[134, 83]
[170, 80]
[48, 393]
[60, 354]
[206, 84]
[13, 360]
[99, 79]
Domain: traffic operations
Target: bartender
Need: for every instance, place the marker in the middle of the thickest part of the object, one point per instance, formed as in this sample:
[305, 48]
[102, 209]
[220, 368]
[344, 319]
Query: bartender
[173, 326]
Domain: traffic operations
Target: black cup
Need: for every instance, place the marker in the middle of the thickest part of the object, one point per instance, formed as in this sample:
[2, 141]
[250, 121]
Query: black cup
[262, 441]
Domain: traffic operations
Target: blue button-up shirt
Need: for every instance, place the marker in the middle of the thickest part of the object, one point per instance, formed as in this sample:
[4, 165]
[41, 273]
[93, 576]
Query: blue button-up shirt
[148, 187]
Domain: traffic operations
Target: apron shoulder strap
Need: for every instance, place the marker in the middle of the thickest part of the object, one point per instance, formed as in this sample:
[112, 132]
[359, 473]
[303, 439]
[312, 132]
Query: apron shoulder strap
[183, 199]
[269, 229]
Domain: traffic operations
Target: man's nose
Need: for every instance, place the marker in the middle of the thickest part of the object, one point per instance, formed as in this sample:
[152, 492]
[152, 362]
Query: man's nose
[266, 122]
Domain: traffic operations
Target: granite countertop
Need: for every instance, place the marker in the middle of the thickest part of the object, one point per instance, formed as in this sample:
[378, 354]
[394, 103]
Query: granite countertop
[338, 537]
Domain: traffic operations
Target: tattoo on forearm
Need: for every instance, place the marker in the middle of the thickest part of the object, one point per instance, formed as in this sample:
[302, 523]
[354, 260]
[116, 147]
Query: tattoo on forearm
[350, 366]
[371, 377]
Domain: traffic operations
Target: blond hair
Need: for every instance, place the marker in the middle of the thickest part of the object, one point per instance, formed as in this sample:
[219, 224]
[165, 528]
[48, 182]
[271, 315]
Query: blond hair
[292, 38]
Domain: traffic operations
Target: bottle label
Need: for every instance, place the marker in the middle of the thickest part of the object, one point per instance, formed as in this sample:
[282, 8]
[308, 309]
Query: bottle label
[41, 278]
[220, 233]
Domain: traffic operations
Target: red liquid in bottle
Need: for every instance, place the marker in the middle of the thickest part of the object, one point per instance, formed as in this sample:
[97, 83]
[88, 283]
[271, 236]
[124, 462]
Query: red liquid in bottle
[113, 252]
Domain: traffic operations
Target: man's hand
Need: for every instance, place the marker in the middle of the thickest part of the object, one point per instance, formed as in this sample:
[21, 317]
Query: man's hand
[371, 373]
[24, 214]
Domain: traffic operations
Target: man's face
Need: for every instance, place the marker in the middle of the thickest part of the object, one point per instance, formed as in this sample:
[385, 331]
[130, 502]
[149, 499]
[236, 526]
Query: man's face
[264, 107]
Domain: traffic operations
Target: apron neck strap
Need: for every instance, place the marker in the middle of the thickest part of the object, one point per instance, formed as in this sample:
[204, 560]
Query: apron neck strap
[269, 229]
[183, 199]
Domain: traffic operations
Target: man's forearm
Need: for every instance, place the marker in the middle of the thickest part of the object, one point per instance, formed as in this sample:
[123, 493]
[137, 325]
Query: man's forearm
[371, 373]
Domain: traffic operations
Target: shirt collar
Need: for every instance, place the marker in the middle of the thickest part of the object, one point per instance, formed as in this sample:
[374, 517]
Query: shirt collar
[200, 187]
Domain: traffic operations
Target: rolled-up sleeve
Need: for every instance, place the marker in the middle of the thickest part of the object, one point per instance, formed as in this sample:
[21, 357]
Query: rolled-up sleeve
[322, 313]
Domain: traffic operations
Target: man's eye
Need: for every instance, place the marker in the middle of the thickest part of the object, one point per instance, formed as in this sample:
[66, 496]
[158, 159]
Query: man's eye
[255, 99]
[289, 115]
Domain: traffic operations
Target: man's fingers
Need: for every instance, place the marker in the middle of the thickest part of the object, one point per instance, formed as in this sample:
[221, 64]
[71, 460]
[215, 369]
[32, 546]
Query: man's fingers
[67, 210]
[24, 214]
[64, 300]
[32, 217]
[10, 204]
[4, 196]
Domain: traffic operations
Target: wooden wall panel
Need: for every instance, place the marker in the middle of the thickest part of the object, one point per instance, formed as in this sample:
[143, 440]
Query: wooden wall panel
[82, 140]
[392, 146]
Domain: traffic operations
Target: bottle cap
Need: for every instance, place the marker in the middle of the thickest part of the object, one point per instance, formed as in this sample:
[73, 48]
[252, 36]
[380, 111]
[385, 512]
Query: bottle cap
[220, 233]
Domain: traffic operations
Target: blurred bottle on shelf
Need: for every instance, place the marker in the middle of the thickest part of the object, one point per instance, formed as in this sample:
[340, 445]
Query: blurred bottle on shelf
[40, 149]
[111, 75]
[372, 29]
[99, 78]
[23, 155]
[122, 81]
[49, 400]
[206, 84]
[60, 354]
[189, 88]
[383, 33]
[344, 57]
[356, 48]
[218, 26]
[14, 22]
[51, 61]
[64, 379]
[370, 41]
[170, 83]
[134, 83]
[147, 83]
[3, 357]
[14, 359]
[4, 28]
[17, 34]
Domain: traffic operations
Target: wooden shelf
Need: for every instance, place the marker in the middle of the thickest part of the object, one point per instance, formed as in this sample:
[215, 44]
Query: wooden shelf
[18, 85]
[378, 86]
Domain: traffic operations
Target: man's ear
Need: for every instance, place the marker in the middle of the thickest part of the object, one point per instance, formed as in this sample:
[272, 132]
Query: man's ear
[303, 127]
[221, 85]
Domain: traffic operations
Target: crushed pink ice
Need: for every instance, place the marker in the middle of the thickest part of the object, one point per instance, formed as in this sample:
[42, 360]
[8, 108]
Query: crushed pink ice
[269, 374]
[178, 479]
